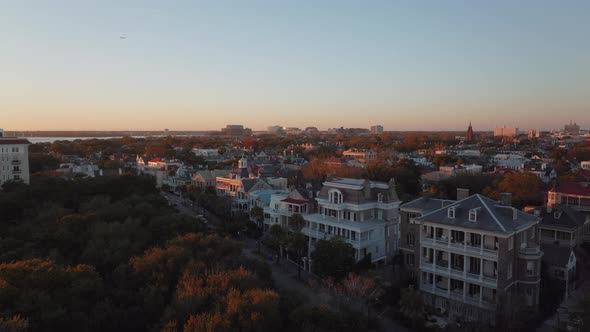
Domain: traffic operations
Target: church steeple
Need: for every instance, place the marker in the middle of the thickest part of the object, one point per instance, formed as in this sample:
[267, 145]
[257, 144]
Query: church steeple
[470, 133]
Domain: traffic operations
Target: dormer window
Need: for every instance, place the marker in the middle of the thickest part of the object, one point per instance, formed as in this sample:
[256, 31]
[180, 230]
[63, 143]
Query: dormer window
[335, 197]
[451, 212]
[557, 214]
[473, 215]
[379, 198]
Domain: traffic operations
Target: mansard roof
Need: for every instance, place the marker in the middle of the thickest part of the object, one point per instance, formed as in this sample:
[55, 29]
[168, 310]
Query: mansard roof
[359, 191]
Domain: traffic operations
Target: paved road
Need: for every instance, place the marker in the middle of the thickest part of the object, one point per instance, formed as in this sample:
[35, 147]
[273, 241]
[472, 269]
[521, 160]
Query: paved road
[285, 274]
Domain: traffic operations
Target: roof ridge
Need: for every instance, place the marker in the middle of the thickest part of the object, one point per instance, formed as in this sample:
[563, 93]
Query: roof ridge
[491, 213]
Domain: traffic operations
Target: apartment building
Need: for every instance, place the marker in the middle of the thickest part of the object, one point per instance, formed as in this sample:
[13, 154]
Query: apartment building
[472, 257]
[364, 213]
[14, 159]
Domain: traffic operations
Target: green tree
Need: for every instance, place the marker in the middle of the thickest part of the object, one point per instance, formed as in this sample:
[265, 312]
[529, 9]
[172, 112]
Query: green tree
[412, 306]
[526, 189]
[52, 297]
[296, 222]
[333, 258]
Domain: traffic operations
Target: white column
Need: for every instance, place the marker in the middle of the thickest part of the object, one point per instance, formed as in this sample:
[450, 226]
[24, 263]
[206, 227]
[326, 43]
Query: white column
[465, 258]
[482, 241]
[448, 287]
[434, 258]
[464, 290]
[481, 269]
[480, 294]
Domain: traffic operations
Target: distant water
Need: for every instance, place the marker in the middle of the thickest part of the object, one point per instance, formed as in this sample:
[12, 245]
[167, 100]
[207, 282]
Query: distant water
[53, 139]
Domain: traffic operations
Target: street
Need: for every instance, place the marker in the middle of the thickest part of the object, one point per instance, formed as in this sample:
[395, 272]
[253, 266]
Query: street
[284, 275]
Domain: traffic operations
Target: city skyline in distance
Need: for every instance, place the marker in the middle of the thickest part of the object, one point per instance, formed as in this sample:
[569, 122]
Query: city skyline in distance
[201, 66]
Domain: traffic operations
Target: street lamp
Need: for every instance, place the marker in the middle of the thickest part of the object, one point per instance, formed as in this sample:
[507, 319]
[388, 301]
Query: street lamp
[304, 259]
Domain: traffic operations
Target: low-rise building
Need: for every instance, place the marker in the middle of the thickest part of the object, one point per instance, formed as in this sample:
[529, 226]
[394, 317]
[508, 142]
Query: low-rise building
[572, 194]
[283, 205]
[237, 185]
[203, 179]
[564, 226]
[360, 155]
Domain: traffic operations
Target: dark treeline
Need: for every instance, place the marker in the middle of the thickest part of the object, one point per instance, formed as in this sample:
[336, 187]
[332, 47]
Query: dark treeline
[109, 254]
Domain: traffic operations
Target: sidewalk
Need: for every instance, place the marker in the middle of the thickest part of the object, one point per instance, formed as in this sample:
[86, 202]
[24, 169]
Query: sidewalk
[285, 277]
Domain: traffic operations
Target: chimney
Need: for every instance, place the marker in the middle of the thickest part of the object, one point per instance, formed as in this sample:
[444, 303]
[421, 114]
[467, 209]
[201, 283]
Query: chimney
[462, 193]
[506, 199]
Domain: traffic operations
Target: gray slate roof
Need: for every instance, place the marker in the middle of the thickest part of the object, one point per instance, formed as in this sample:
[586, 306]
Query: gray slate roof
[564, 217]
[426, 205]
[491, 216]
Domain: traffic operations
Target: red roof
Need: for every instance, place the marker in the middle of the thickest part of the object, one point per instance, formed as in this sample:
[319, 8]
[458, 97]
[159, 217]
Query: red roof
[573, 188]
[294, 201]
[6, 141]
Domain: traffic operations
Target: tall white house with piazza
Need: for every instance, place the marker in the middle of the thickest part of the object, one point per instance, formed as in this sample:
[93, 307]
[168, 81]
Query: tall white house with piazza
[363, 213]
[14, 159]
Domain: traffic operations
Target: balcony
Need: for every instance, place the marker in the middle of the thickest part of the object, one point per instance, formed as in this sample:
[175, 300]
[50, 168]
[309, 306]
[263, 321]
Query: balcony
[16, 162]
[472, 299]
[16, 171]
[357, 243]
[457, 294]
[530, 250]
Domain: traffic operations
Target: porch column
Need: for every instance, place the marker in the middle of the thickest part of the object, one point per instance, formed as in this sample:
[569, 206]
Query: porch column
[482, 241]
[465, 258]
[481, 268]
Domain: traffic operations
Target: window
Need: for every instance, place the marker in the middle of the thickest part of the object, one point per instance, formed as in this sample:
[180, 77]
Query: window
[335, 197]
[379, 198]
[511, 243]
[410, 239]
[451, 212]
[473, 215]
[376, 249]
[475, 240]
[474, 265]
[530, 268]
[509, 270]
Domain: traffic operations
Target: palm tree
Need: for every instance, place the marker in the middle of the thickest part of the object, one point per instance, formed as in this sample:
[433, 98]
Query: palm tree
[257, 213]
[297, 240]
[278, 237]
[298, 243]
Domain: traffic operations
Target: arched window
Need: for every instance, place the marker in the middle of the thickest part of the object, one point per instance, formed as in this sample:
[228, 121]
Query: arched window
[335, 197]
[379, 198]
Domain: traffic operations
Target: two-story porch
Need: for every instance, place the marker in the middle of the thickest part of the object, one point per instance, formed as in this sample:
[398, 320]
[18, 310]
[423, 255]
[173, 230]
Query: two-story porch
[367, 237]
